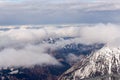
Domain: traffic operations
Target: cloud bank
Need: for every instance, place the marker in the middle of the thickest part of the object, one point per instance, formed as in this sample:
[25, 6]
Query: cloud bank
[25, 58]
[28, 45]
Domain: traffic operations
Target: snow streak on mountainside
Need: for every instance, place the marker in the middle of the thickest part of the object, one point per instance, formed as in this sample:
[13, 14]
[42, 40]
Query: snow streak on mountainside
[103, 62]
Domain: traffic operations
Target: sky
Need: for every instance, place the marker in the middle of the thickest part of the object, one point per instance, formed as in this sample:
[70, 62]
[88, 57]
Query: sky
[26, 12]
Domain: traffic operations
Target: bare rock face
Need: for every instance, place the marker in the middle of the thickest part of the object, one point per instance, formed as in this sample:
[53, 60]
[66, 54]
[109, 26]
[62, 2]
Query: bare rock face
[103, 65]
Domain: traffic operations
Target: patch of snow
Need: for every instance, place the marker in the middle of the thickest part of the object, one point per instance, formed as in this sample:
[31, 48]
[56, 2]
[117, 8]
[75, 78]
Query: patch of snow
[14, 72]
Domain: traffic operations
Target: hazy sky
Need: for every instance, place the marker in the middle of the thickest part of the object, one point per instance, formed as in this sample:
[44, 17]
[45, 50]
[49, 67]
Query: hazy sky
[15, 12]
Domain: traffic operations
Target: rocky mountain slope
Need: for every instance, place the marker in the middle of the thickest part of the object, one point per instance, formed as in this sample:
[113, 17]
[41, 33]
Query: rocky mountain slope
[105, 62]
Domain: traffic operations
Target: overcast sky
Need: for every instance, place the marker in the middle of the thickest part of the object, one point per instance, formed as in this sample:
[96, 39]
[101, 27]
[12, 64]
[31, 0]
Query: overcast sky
[15, 12]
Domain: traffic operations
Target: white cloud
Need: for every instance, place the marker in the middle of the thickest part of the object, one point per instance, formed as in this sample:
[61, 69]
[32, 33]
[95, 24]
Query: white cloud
[25, 58]
[100, 33]
[25, 47]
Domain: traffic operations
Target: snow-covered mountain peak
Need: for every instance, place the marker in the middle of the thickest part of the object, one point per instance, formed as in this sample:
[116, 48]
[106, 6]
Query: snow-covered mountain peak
[105, 61]
[105, 53]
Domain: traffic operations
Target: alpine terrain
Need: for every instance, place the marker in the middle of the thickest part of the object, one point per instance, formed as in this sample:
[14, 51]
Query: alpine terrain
[103, 64]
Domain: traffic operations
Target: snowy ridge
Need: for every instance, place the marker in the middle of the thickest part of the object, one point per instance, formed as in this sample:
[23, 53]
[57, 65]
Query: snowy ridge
[106, 61]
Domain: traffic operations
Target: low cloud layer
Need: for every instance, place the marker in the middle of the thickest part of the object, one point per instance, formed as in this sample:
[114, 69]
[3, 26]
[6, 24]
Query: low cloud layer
[101, 33]
[25, 58]
[27, 45]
